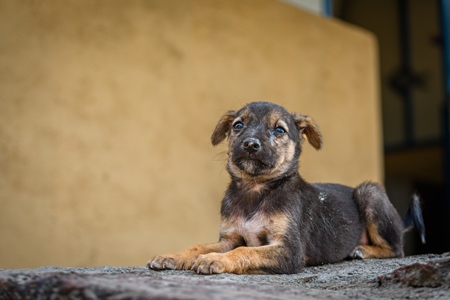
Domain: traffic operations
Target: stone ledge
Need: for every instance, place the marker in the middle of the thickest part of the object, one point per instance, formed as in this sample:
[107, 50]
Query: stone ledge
[414, 277]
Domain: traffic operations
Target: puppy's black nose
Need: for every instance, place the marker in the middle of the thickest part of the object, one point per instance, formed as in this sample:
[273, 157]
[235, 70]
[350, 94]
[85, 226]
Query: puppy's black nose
[251, 145]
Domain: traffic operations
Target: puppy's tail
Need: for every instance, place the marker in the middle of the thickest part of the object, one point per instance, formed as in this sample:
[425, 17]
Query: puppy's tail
[413, 217]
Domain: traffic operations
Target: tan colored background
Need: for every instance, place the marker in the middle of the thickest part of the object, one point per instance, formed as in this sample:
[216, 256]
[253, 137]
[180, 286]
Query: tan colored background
[106, 109]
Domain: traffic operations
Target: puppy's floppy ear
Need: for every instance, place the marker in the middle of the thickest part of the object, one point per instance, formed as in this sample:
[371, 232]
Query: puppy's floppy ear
[307, 127]
[222, 128]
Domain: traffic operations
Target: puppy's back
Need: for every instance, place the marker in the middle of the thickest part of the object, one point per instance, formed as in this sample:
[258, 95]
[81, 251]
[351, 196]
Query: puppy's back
[335, 227]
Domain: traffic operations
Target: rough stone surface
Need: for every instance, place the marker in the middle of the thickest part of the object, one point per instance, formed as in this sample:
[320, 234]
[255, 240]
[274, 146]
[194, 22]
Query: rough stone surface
[415, 277]
[434, 273]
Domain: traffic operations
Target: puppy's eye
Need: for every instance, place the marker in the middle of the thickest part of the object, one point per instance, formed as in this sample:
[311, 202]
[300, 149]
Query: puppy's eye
[280, 130]
[238, 126]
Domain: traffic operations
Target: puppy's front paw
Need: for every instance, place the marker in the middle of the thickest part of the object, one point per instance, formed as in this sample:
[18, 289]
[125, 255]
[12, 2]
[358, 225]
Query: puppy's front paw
[169, 262]
[162, 263]
[212, 263]
[357, 253]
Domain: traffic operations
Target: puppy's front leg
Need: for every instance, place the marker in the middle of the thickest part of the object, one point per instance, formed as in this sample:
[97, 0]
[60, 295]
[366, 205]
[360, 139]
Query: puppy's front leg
[185, 259]
[247, 260]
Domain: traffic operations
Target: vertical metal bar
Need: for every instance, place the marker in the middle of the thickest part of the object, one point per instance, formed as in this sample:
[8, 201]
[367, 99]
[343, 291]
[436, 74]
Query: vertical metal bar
[444, 7]
[445, 23]
[327, 6]
[406, 70]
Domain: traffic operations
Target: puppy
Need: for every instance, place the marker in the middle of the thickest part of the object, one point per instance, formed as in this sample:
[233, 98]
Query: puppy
[273, 221]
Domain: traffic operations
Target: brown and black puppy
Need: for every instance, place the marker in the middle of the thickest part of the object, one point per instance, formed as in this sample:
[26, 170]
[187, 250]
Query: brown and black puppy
[273, 221]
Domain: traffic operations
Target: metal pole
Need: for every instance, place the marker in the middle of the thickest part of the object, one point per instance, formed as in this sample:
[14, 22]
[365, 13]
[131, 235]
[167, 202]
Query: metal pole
[444, 7]
[406, 71]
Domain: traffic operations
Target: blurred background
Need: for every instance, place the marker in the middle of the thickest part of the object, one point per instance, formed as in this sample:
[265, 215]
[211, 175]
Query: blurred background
[107, 107]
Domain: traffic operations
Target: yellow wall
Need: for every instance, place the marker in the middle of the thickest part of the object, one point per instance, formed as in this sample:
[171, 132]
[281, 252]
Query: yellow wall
[106, 110]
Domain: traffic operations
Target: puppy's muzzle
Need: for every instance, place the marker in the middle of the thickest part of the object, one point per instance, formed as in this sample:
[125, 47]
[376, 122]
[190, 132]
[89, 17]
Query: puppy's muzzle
[251, 145]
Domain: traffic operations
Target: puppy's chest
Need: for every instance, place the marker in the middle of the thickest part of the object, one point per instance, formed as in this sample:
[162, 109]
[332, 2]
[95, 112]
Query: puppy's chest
[257, 231]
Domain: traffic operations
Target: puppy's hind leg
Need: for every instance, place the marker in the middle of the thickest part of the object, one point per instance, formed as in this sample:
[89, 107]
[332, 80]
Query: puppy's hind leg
[383, 235]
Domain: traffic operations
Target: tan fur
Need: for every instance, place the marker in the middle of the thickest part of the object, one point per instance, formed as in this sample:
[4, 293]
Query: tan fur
[310, 130]
[378, 247]
[186, 259]
[273, 226]
[219, 257]
[242, 260]
[221, 130]
[250, 258]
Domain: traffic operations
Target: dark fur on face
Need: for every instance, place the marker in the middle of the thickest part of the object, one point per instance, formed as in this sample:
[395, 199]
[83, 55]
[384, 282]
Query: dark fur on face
[264, 148]
[275, 222]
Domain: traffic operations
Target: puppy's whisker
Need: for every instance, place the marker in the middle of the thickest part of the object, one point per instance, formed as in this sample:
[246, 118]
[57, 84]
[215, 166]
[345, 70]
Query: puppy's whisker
[220, 156]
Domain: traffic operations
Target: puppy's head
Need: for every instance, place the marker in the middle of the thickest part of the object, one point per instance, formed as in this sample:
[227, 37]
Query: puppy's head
[264, 140]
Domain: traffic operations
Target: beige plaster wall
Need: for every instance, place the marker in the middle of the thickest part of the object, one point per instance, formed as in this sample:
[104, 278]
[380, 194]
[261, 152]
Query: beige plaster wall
[106, 109]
